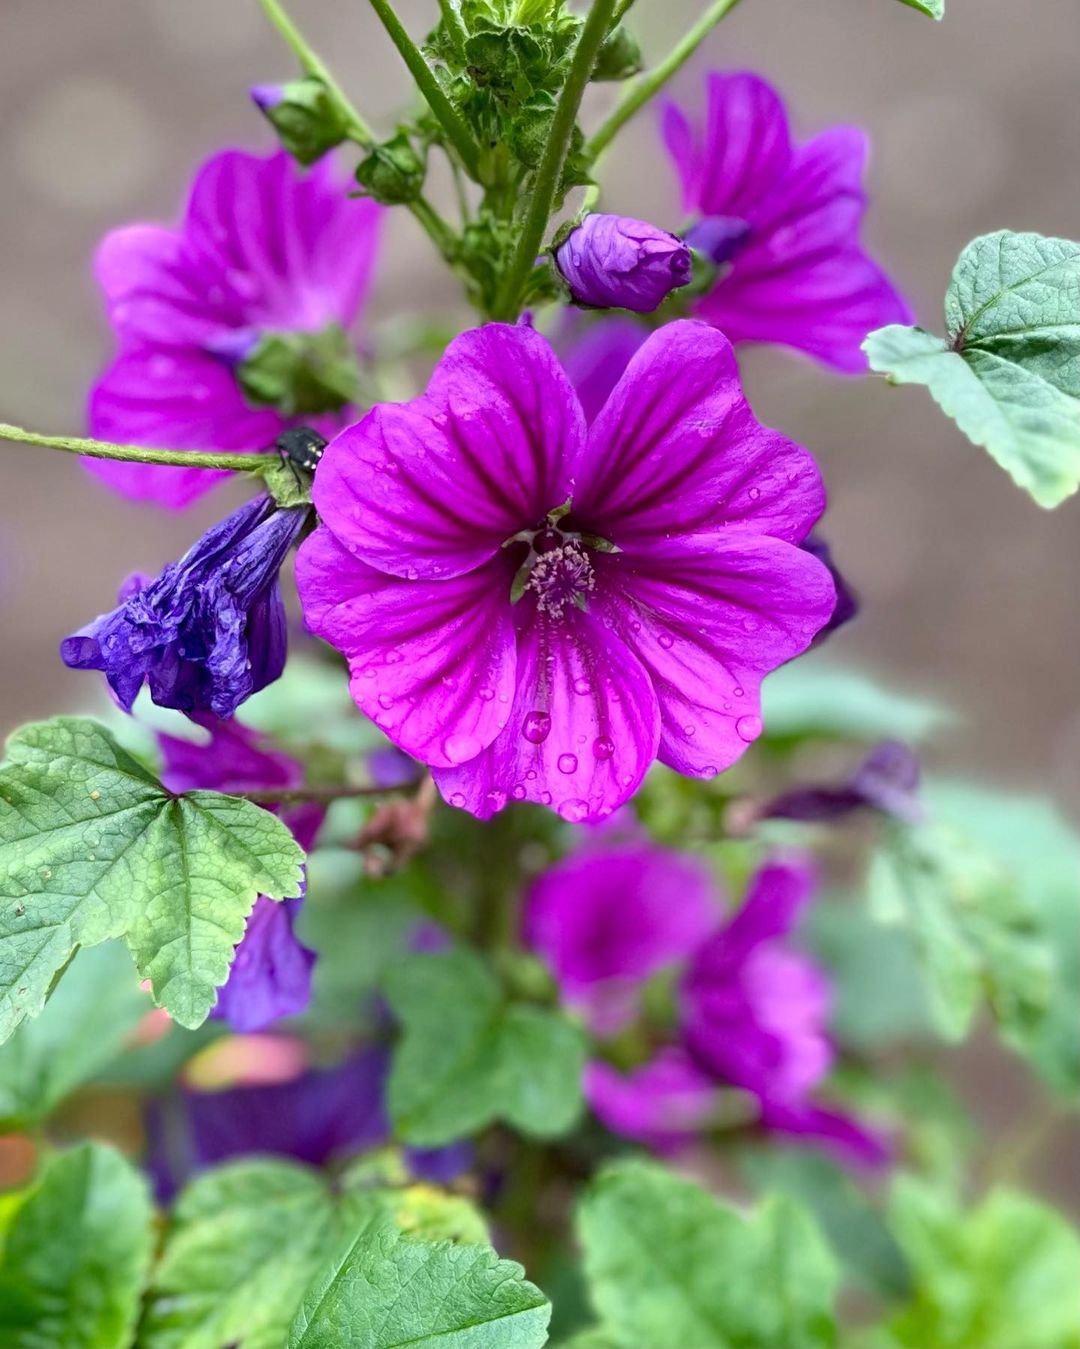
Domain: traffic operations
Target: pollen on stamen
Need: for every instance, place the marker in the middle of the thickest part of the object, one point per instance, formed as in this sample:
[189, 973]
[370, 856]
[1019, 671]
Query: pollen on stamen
[560, 577]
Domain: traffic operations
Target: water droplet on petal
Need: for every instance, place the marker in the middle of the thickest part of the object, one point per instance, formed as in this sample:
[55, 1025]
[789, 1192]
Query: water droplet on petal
[750, 624]
[393, 656]
[666, 640]
[582, 685]
[567, 763]
[754, 493]
[518, 791]
[461, 748]
[495, 800]
[575, 810]
[458, 800]
[531, 775]
[536, 727]
[689, 730]
[411, 574]
[603, 747]
[737, 692]
[709, 771]
[385, 701]
[486, 694]
[749, 728]
[545, 798]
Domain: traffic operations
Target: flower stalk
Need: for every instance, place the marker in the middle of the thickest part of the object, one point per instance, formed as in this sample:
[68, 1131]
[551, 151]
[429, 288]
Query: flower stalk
[136, 454]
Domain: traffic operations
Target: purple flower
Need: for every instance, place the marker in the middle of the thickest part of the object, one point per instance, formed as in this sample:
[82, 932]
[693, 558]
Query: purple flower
[606, 918]
[613, 262]
[210, 630]
[663, 1104]
[271, 973]
[596, 355]
[782, 220]
[886, 780]
[264, 251]
[847, 602]
[536, 608]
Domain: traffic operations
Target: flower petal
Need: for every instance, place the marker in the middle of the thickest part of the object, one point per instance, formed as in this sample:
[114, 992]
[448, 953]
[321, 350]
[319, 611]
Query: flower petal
[597, 357]
[662, 1104]
[708, 617]
[676, 449]
[270, 976]
[431, 663]
[178, 400]
[434, 487]
[802, 279]
[583, 729]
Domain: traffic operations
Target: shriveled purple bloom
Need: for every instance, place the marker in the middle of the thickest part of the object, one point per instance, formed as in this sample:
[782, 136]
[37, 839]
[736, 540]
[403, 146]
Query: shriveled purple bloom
[210, 630]
[271, 973]
[606, 918]
[614, 262]
[782, 219]
[663, 1104]
[264, 249]
[886, 780]
[526, 651]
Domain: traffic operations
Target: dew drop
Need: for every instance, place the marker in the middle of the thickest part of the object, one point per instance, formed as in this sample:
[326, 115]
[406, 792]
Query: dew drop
[689, 730]
[666, 640]
[411, 574]
[545, 798]
[582, 685]
[518, 791]
[461, 748]
[575, 810]
[738, 693]
[393, 656]
[749, 728]
[485, 695]
[531, 775]
[385, 701]
[457, 799]
[567, 763]
[750, 624]
[754, 493]
[709, 771]
[536, 727]
[603, 747]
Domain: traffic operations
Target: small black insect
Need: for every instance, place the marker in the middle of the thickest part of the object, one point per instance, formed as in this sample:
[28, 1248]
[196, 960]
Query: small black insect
[301, 448]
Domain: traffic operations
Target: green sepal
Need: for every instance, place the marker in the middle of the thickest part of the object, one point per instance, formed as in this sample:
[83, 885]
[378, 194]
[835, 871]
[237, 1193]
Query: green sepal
[302, 374]
[306, 117]
[393, 173]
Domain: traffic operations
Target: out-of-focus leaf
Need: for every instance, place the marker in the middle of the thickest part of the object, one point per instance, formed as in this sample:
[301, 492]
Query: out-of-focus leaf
[670, 1267]
[385, 1291]
[76, 1255]
[813, 697]
[935, 9]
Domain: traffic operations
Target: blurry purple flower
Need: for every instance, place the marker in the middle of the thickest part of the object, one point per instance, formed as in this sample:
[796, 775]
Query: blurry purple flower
[263, 250]
[783, 220]
[266, 97]
[662, 1104]
[607, 918]
[847, 602]
[886, 780]
[210, 630]
[596, 355]
[271, 974]
[613, 262]
[529, 653]
[390, 768]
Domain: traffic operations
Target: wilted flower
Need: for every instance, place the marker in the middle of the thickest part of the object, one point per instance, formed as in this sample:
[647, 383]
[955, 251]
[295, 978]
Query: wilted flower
[752, 1014]
[782, 221]
[269, 268]
[210, 630]
[537, 609]
[271, 972]
[613, 262]
[886, 780]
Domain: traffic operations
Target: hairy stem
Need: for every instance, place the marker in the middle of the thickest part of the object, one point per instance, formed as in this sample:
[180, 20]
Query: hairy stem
[135, 454]
[549, 173]
[323, 796]
[457, 133]
[639, 91]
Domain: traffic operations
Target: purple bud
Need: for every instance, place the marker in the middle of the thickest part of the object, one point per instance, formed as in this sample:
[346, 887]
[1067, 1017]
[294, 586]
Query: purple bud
[267, 96]
[613, 262]
[847, 601]
[719, 237]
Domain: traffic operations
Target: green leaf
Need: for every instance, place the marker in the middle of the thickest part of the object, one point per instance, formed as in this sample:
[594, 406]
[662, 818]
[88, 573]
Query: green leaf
[466, 1058]
[973, 931]
[76, 1255]
[1009, 371]
[246, 1241]
[934, 8]
[83, 1028]
[670, 1267]
[811, 697]
[92, 847]
[385, 1291]
[1003, 1275]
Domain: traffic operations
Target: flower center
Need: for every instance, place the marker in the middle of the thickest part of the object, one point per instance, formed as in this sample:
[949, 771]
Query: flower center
[560, 573]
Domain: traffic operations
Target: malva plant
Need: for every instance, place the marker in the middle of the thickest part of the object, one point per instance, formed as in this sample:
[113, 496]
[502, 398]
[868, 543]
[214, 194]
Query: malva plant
[534, 943]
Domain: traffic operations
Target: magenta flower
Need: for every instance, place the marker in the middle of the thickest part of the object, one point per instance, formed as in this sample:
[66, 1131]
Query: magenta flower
[538, 609]
[782, 222]
[265, 252]
[663, 1104]
[271, 972]
[613, 262]
[607, 917]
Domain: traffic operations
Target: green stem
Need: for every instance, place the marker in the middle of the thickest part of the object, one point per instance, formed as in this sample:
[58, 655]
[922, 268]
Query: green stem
[638, 92]
[549, 173]
[454, 25]
[135, 454]
[457, 133]
[621, 10]
[312, 64]
[323, 796]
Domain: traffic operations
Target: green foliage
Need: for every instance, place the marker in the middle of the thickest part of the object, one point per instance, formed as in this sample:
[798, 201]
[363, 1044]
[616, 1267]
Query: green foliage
[467, 1058]
[92, 847]
[1002, 1276]
[92, 1012]
[973, 931]
[812, 697]
[76, 1255]
[620, 56]
[393, 173]
[385, 1291]
[934, 8]
[670, 1267]
[307, 119]
[1008, 372]
[302, 374]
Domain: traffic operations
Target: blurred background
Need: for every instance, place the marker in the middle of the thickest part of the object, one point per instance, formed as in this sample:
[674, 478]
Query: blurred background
[969, 590]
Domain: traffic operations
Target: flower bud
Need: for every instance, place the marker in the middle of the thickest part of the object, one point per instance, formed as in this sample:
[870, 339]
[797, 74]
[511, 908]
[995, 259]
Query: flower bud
[613, 262]
[304, 115]
[393, 173]
[619, 56]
